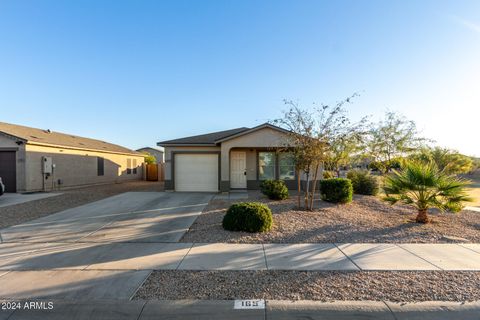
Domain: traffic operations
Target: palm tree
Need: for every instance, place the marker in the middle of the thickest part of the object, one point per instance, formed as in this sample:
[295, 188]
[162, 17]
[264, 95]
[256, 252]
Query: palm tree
[423, 186]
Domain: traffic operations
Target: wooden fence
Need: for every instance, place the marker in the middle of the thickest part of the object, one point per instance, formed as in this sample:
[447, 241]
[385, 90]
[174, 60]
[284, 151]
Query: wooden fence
[154, 172]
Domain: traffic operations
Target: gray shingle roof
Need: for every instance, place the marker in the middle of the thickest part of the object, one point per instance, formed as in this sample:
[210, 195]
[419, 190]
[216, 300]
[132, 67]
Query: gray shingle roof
[204, 139]
[41, 136]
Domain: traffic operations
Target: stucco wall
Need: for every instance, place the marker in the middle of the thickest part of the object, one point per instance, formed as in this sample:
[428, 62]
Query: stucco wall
[259, 139]
[262, 139]
[9, 144]
[158, 154]
[77, 167]
[251, 164]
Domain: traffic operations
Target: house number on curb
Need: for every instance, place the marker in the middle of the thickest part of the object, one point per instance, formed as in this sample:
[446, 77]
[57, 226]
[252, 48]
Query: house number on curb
[249, 304]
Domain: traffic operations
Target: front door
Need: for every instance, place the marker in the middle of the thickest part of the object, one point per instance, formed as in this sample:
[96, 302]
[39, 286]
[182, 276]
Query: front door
[238, 169]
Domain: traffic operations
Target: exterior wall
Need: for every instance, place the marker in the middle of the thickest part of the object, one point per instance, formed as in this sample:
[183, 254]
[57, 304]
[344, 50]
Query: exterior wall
[76, 167]
[251, 164]
[158, 154]
[169, 151]
[263, 138]
[252, 167]
[9, 144]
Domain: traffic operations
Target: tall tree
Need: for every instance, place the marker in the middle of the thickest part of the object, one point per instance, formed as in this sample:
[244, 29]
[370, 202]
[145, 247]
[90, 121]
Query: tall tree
[316, 134]
[345, 147]
[391, 138]
[446, 160]
[301, 141]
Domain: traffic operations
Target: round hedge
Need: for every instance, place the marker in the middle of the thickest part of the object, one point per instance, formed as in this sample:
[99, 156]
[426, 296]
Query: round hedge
[363, 182]
[274, 189]
[338, 190]
[248, 216]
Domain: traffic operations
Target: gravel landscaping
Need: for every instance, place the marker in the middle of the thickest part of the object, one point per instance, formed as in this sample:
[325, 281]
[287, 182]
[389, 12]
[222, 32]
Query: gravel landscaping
[366, 219]
[27, 211]
[396, 286]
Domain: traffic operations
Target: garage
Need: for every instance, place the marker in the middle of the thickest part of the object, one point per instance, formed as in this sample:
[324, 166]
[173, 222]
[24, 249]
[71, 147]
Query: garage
[8, 172]
[196, 172]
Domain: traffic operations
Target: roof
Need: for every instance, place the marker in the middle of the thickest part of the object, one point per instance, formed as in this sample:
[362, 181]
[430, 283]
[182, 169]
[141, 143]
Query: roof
[212, 139]
[203, 139]
[150, 148]
[262, 126]
[57, 139]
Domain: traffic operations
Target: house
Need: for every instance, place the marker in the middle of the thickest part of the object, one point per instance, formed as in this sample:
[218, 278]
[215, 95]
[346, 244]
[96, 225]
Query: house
[157, 153]
[36, 159]
[233, 159]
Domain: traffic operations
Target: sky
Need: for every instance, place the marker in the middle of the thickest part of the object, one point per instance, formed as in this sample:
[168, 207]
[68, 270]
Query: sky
[138, 72]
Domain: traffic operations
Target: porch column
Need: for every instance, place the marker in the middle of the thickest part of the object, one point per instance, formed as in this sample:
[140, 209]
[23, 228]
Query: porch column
[225, 168]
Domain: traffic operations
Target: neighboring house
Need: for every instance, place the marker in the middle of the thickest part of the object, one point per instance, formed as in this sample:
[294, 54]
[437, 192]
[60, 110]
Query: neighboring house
[157, 153]
[35, 159]
[233, 159]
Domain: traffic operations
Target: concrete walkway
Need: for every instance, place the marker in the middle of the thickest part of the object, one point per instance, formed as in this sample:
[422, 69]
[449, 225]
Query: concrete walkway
[90, 271]
[221, 256]
[225, 309]
[477, 209]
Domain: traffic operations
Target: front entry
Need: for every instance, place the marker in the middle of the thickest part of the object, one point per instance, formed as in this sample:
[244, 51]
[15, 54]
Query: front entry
[238, 169]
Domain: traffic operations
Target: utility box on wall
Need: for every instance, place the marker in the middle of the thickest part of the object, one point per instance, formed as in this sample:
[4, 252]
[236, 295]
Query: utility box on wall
[47, 165]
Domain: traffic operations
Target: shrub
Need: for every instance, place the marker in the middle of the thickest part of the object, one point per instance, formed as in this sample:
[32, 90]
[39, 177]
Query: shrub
[274, 189]
[248, 216]
[424, 186]
[328, 175]
[338, 190]
[363, 182]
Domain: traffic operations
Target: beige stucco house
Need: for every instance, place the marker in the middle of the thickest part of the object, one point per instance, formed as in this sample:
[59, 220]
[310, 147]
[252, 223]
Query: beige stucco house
[157, 153]
[36, 160]
[233, 159]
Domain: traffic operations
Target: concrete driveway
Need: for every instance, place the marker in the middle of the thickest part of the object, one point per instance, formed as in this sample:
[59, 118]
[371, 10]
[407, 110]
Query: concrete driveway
[9, 199]
[101, 250]
[127, 217]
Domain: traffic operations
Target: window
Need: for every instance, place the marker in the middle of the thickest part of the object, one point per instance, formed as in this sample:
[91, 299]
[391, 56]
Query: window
[100, 166]
[266, 165]
[129, 166]
[286, 166]
[134, 166]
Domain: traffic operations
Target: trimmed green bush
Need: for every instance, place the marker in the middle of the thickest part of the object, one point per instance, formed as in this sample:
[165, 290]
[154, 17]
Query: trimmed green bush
[328, 175]
[338, 190]
[274, 189]
[363, 182]
[248, 216]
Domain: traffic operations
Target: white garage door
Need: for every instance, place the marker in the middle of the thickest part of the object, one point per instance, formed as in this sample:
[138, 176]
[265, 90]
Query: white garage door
[196, 172]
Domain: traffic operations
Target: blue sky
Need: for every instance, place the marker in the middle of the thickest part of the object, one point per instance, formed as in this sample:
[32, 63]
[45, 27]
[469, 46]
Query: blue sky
[137, 72]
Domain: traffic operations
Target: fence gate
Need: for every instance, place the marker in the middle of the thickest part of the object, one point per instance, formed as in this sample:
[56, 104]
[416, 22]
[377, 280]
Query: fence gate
[152, 172]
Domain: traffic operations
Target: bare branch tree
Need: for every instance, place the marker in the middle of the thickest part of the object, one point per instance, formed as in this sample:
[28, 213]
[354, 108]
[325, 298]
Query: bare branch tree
[314, 135]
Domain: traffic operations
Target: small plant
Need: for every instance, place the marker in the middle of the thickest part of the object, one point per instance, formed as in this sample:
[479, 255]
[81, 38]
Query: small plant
[328, 175]
[424, 186]
[248, 216]
[149, 158]
[363, 182]
[338, 190]
[274, 189]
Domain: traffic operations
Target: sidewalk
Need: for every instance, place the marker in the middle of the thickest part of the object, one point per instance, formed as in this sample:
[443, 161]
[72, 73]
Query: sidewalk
[350, 256]
[93, 271]
[222, 256]
[224, 309]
